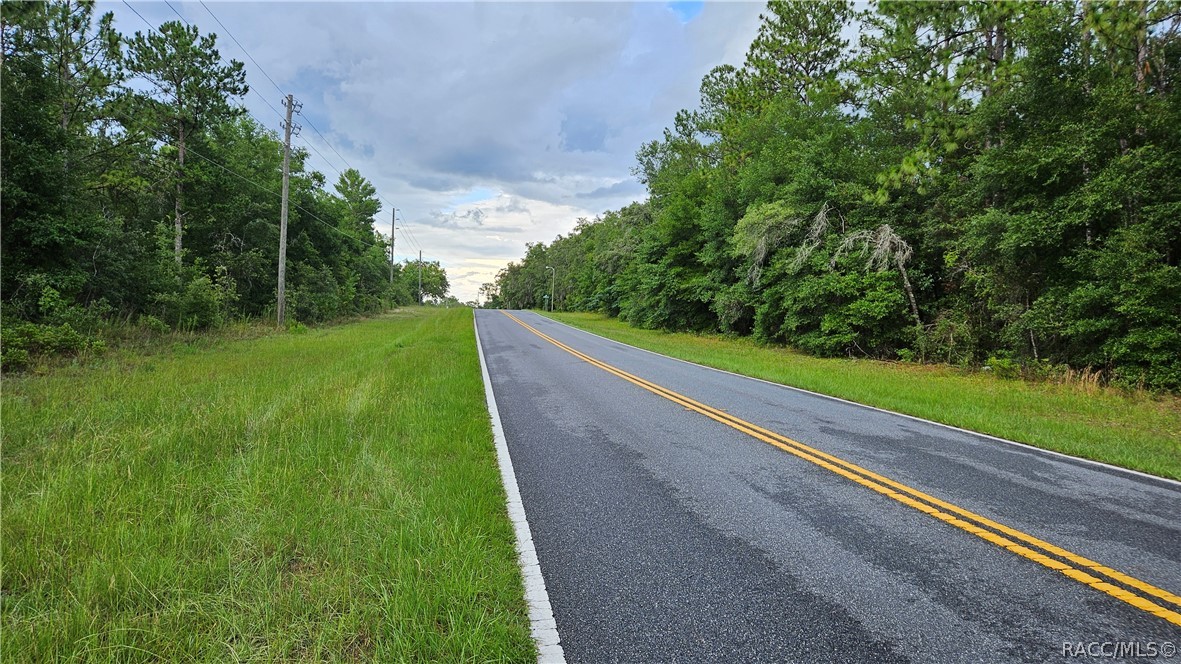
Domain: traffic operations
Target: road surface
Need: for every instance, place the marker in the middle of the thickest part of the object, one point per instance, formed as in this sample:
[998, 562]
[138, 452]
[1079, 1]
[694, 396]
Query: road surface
[682, 514]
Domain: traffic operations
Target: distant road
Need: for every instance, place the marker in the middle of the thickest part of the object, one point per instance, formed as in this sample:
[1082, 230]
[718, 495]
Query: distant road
[682, 514]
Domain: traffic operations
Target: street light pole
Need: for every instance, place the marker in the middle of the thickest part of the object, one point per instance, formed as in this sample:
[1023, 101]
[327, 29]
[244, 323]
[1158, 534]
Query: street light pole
[553, 278]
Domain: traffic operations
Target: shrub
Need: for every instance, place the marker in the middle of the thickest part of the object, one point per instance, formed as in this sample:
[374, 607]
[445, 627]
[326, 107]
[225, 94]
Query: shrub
[21, 342]
[153, 324]
[1003, 367]
[199, 305]
[13, 359]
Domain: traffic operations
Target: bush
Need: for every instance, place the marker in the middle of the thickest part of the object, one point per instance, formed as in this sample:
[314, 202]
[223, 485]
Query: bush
[22, 342]
[201, 304]
[313, 295]
[199, 307]
[830, 313]
[1003, 367]
[13, 359]
[153, 324]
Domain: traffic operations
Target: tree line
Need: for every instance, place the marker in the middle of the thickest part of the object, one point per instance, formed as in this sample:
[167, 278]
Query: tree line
[136, 186]
[968, 182]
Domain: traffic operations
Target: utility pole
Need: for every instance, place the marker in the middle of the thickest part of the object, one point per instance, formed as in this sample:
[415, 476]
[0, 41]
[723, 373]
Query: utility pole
[420, 276]
[553, 278]
[288, 129]
[393, 228]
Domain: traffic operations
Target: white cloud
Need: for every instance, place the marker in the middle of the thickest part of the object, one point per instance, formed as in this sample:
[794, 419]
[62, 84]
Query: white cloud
[489, 125]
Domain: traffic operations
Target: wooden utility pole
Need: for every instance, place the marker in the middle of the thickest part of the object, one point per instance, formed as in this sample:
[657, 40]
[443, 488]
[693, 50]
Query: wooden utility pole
[420, 276]
[288, 129]
[393, 230]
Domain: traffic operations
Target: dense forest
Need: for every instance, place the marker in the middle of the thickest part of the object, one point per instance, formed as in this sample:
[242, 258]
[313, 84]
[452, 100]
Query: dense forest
[975, 183]
[137, 190]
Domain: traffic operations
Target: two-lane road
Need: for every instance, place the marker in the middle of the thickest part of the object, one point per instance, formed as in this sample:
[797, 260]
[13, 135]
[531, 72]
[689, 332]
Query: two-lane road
[685, 514]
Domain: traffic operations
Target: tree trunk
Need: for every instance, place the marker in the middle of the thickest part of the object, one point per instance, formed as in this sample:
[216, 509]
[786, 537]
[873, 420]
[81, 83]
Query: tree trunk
[1141, 66]
[1087, 38]
[63, 79]
[176, 242]
[914, 307]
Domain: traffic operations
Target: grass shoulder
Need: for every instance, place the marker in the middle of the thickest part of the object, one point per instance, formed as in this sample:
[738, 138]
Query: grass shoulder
[332, 495]
[1134, 430]
[43, 348]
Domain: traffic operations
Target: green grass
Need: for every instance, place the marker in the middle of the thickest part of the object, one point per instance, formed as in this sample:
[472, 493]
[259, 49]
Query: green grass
[328, 496]
[1133, 430]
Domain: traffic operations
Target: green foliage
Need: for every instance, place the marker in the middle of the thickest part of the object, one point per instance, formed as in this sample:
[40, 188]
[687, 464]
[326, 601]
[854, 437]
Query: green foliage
[152, 324]
[832, 313]
[360, 200]
[1003, 367]
[111, 144]
[200, 305]
[432, 277]
[23, 342]
[41, 339]
[972, 183]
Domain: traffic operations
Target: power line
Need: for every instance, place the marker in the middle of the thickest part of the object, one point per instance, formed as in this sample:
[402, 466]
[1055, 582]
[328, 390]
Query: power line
[178, 14]
[260, 95]
[305, 117]
[407, 232]
[326, 142]
[308, 143]
[276, 86]
[275, 193]
[264, 100]
[410, 235]
[186, 22]
[141, 17]
[251, 57]
[235, 39]
[321, 155]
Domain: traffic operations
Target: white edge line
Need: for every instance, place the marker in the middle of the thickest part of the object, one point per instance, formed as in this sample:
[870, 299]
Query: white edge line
[1025, 446]
[541, 614]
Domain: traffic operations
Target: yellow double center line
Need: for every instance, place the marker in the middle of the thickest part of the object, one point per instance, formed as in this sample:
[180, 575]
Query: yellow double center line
[1070, 564]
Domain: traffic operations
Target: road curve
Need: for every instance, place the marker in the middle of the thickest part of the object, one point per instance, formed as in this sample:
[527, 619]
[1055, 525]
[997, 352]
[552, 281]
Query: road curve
[682, 514]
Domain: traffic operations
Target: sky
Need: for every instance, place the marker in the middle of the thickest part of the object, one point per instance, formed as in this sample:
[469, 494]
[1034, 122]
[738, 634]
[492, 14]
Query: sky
[487, 124]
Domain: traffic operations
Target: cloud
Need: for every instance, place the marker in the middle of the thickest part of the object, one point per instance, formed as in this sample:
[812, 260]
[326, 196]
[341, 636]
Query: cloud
[582, 133]
[541, 106]
[624, 188]
[469, 218]
[514, 204]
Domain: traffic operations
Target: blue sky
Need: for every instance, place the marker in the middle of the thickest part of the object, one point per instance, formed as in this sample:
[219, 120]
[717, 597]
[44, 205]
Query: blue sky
[686, 10]
[488, 124]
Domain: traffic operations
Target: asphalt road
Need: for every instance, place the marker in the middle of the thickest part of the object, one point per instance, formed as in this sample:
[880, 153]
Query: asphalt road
[667, 536]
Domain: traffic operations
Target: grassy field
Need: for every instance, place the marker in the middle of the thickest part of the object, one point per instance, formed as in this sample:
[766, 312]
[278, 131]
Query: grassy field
[1133, 430]
[327, 496]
